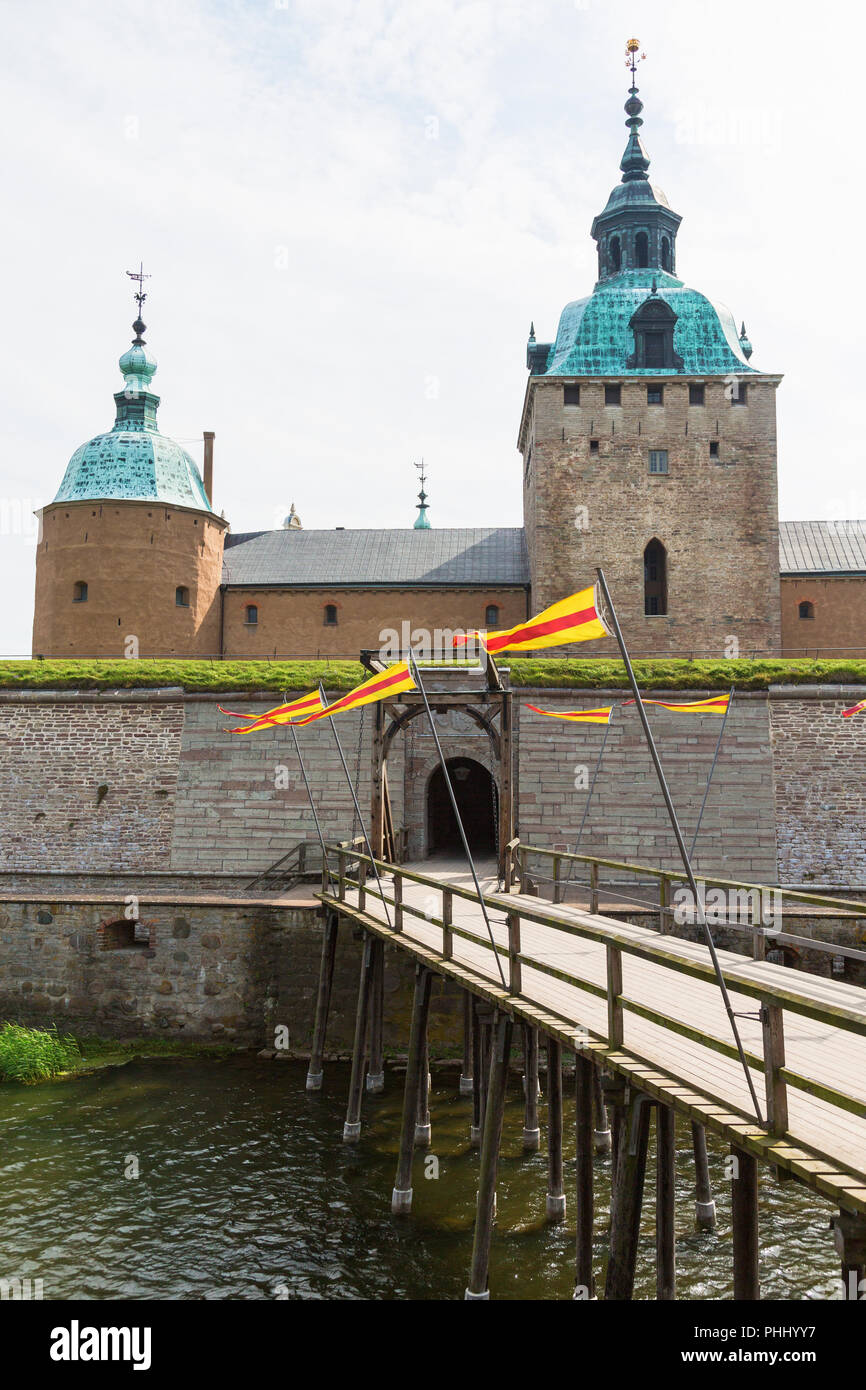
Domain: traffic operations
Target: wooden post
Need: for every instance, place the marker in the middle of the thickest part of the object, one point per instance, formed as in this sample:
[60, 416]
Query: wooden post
[555, 1205]
[352, 1127]
[398, 902]
[362, 879]
[627, 1201]
[422, 1115]
[601, 1133]
[772, 1026]
[341, 882]
[531, 1131]
[705, 1207]
[666, 1257]
[664, 905]
[506, 779]
[377, 782]
[584, 1086]
[485, 1018]
[849, 1235]
[401, 1197]
[468, 1073]
[593, 887]
[614, 990]
[447, 917]
[744, 1221]
[478, 1073]
[556, 887]
[376, 1073]
[484, 1215]
[323, 1001]
[515, 973]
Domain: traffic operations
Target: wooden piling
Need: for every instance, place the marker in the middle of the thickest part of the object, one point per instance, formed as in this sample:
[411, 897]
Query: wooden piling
[401, 1197]
[495, 1110]
[323, 1001]
[531, 1131]
[584, 1087]
[666, 1260]
[422, 1114]
[478, 1073]
[705, 1207]
[744, 1222]
[555, 1205]
[627, 1201]
[849, 1234]
[601, 1133]
[467, 1076]
[376, 1072]
[352, 1127]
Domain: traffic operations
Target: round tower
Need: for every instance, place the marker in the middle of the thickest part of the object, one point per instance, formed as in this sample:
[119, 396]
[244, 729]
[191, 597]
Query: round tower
[129, 559]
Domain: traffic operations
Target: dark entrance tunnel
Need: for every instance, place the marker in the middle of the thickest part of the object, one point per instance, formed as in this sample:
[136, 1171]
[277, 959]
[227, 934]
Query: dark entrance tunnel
[475, 792]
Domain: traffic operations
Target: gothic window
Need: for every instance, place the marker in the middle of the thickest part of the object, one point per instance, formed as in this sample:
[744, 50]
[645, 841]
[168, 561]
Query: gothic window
[79, 592]
[491, 615]
[655, 580]
[251, 615]
[615, 254]
[181, 596]
[807, 609]
[653, 327]
[330, 615]
[666, 253]
[658, 461]
[641, 249]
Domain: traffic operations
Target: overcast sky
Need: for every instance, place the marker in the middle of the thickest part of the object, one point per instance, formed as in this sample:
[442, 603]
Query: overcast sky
[352, 209]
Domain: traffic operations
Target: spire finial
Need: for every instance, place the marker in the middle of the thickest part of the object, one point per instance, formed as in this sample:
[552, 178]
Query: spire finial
[635, 161]
[422, 521]
[140, 296]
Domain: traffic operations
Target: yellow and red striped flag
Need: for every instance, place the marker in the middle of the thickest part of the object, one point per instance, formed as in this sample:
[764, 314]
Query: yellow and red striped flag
[290, 713]
[855, 709]
[572, 619]
[716, 704]
[578, 716]
[393, 681]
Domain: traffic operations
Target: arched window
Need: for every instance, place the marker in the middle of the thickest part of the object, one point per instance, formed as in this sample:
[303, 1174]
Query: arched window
[491, 615]
[615, 254]
[181, 596]
[79, 592]
[641, 249]
[330, 615]
[251, 615]
[655, 580]
[807, 609]
[666, 254]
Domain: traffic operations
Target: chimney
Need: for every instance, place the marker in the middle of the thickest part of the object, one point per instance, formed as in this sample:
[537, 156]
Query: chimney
[208, 464]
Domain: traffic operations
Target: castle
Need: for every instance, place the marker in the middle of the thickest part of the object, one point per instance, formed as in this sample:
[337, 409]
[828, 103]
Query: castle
[648, 441]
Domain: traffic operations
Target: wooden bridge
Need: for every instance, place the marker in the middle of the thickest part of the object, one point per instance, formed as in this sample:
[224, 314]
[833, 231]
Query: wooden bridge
[642, 1012]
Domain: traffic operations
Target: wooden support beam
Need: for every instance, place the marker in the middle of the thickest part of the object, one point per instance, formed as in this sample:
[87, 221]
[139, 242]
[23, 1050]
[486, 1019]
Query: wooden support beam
[584, 1088]
[398, 902]
[773, 1029]
[468, 1073]
[744, 1222]
[531, 1131]
[601, 1133]
[705, 1207]
[378, 782]
[323, 1001]
[478, 1073]
[614, 991]
[555, 1205]
[506, 779]
[627, 1201]
[401, 1197]
[593, 888]
[484, 1216]
[665, 923]
[376, 1073]
[447, 919]
[352, 1127]
[849, 1234]
[666, 1258]
[422, 1116]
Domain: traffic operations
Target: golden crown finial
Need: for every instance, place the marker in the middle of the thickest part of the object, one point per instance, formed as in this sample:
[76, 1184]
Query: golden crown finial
[632, 48]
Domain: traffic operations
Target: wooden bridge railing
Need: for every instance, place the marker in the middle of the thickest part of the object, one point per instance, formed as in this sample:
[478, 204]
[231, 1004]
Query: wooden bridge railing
[618, 941]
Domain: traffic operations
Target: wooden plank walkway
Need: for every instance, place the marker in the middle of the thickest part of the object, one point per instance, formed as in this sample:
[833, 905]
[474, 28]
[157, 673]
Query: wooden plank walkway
[675, 1060]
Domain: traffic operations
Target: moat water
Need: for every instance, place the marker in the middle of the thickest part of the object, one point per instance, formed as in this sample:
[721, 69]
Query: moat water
[214, 1179]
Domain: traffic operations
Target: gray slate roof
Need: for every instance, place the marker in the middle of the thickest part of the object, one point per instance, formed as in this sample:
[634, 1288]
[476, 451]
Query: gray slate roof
[822, 547]
[483, 556]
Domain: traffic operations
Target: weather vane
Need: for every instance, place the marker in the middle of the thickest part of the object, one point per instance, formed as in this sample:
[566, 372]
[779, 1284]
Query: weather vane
[423, 475]
[631, 59]
[140, 276]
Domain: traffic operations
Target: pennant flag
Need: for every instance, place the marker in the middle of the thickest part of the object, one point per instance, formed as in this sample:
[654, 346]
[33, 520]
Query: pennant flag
[291, 713]
[573, 619]
[855, 709]
[578, 716]
[393, 681]
[716, 704]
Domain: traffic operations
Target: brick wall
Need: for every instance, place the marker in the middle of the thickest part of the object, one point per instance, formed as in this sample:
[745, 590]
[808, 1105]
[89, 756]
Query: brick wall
[838, 624]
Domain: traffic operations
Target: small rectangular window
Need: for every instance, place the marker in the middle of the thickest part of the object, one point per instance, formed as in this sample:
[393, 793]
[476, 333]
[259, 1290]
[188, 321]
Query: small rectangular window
[612, 395]
[696, 395]
[658, 461]
[739, 392]
[714, 448]
[655, 395]
[571, 395]
[593, 446]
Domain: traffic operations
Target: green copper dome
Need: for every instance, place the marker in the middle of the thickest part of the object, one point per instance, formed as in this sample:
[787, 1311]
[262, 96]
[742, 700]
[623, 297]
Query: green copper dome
[133, 461]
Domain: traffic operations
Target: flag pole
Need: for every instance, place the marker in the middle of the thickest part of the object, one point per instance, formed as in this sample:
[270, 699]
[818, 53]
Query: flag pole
[420, 684]
[324, 700]
[325, 864]
[712, 769]
[678, 834]
[589, 795]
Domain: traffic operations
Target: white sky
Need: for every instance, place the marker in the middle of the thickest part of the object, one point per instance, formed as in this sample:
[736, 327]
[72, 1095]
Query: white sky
[336, 293]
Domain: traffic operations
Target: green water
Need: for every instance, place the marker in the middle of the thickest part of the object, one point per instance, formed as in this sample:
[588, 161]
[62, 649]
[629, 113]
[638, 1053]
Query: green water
[246, 1191]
